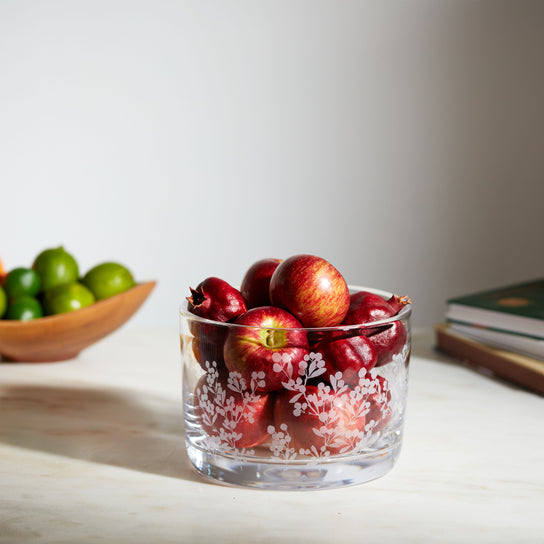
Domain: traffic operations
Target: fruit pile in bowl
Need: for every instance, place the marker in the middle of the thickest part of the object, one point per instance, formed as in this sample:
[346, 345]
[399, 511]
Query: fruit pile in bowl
[49, 312]
[292, 371]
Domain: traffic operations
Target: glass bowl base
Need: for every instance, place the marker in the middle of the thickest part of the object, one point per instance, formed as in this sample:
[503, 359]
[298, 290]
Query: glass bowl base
[281, 476]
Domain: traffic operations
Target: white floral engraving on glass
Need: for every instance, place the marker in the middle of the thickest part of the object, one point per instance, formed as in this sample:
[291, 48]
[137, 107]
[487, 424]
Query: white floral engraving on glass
[309, 419]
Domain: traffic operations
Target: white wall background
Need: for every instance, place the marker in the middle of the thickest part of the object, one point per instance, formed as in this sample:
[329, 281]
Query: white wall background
[401, 140]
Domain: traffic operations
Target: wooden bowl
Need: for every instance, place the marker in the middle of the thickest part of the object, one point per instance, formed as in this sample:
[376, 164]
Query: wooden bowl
[63, 336]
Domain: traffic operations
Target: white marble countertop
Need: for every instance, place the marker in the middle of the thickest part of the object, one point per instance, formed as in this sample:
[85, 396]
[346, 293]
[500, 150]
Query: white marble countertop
[92, 450]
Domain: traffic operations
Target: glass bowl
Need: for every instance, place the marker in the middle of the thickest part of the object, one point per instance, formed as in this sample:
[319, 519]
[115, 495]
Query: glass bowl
[325, 410]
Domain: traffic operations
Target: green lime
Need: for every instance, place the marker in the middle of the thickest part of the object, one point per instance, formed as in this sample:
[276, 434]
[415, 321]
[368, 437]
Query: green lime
[55, 267]
[22, 281]
[67, 298]
[3, 302]
[24, 308]
[108, 279]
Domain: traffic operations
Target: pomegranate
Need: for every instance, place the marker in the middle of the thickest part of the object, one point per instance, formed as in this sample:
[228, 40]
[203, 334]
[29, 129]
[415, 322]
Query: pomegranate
[216, 299]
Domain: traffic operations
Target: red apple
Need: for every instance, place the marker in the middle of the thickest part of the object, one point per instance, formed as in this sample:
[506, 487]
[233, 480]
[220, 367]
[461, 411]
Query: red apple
[349, 356]
[311, 289]
[255, 287]
[268, 341]
[237, 417]
[319, 420]
[217, 300]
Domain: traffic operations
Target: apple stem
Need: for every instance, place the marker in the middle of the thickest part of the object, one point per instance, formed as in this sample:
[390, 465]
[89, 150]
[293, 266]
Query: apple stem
[273, 339]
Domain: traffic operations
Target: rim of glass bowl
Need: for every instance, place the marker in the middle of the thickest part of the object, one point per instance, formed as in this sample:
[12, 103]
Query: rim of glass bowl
[404, 313]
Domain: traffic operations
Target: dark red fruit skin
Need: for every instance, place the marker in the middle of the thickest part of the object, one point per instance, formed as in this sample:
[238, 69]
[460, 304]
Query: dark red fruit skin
[217, 300]
[255, 287]
[253, 432]
[366, 307]
[349, 356]
[379, 409]
[389, 342]
[316, 337]
[301, 427]
[207, 344]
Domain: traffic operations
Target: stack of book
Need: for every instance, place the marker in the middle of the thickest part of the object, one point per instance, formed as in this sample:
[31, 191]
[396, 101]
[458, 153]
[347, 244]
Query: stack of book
[501, 330]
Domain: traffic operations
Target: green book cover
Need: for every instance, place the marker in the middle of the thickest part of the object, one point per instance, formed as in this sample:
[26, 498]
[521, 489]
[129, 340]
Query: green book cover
[523, 299]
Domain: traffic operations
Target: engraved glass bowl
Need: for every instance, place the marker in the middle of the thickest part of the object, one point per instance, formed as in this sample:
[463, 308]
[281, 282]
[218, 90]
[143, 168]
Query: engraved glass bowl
[319, 428]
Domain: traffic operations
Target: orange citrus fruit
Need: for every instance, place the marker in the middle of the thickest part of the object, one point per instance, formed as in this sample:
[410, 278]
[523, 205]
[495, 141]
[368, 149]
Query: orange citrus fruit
[2, 273]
